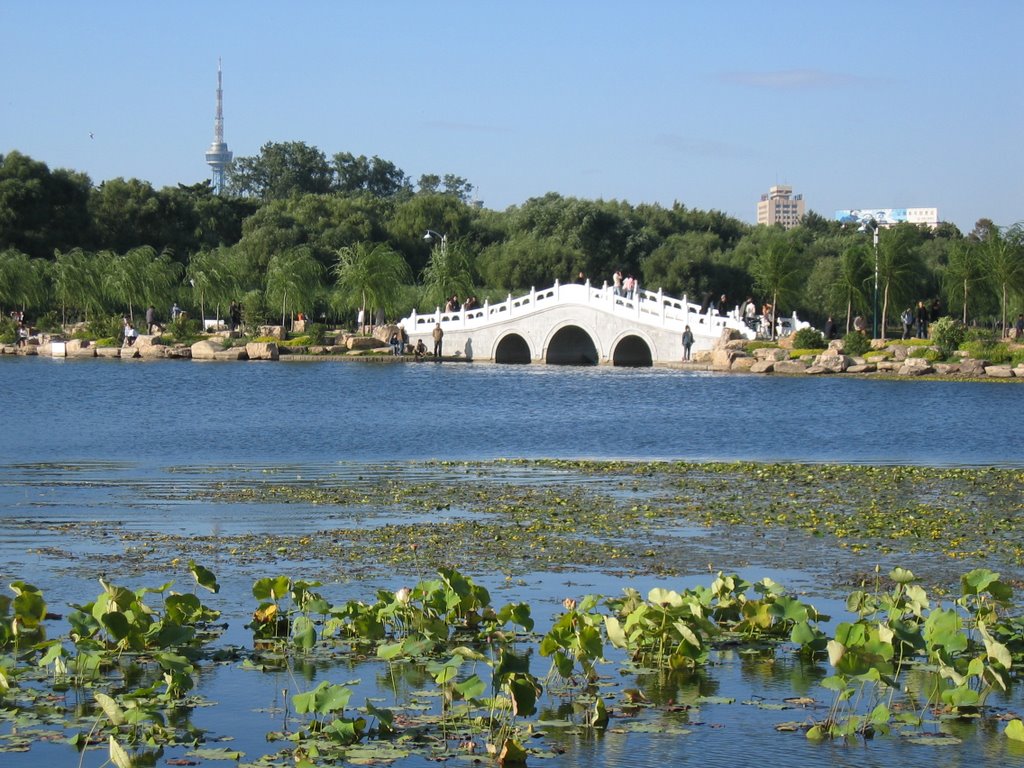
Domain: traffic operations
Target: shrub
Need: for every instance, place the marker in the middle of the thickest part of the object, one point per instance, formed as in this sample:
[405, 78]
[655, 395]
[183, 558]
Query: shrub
[986, 336]
[809, 338]
[855, 343]
[317, 333]
[993, 353]
[102, 328]
[928, 353]
[948, 334]
[8, 331]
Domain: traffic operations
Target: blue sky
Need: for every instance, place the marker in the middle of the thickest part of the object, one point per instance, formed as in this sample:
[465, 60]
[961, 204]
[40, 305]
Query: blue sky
[865, 104]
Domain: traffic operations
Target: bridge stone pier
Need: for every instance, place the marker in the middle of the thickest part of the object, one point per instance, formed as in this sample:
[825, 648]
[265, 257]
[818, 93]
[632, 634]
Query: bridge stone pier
[575, 324]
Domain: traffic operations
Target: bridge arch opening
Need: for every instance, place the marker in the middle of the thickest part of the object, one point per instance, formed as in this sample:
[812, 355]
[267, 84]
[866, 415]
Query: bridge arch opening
[632, 351]
[513, 350]
[571, 345]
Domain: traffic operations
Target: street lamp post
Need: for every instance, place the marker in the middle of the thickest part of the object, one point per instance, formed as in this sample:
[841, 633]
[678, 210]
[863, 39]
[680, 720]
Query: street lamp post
[872, 224]
[431, 236]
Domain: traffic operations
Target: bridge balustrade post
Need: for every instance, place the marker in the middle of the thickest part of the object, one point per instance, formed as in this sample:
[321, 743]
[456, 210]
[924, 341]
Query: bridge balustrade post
[508, 305]
[661, 304]
[558, 290]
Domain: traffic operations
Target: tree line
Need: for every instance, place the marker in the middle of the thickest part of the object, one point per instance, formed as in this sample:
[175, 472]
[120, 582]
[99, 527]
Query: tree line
[296, 231]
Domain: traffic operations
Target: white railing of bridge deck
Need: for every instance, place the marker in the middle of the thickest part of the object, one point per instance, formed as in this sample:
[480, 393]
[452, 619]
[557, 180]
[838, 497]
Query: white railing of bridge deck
[653, 306]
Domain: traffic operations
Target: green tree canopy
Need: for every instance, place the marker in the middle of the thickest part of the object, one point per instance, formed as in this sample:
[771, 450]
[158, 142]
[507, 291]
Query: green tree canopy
[369, 276]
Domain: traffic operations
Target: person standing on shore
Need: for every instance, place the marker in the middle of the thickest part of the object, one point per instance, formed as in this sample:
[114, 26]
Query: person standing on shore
[907, 318]
[922, 320]
[687, 343]
[438, 335]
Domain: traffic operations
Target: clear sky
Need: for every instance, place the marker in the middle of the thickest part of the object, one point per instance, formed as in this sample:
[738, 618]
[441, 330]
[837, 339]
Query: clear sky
[864, 104]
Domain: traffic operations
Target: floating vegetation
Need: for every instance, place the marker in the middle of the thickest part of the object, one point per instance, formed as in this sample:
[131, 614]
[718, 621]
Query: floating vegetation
[902, 664]
[926, 653]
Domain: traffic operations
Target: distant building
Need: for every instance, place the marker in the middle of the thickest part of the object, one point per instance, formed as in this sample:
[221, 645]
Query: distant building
[780, 206]
[887, 217]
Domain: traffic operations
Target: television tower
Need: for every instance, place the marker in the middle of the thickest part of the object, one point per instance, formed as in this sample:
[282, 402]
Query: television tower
[218, 156]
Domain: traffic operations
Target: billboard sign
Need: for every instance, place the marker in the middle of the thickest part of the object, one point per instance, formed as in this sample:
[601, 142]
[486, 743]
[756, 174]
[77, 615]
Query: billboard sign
[884, 216]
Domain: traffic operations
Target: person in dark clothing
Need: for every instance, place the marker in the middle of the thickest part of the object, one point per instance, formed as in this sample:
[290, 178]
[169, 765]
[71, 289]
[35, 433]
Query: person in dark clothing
[687, 343]
[830, 328]
[922, 320]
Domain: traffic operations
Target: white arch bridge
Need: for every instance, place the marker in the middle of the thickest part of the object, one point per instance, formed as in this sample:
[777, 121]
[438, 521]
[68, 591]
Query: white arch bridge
[575, 324]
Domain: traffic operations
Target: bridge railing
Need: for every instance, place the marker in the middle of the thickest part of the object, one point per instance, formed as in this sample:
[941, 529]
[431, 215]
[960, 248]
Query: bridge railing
[652, 307]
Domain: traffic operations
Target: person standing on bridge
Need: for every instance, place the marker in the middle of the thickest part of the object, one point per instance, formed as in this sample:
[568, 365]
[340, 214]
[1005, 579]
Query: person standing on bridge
[687, 343]
[438, 335]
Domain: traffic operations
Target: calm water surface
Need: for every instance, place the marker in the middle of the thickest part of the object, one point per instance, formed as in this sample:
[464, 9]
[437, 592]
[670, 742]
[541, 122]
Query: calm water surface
[169, 412]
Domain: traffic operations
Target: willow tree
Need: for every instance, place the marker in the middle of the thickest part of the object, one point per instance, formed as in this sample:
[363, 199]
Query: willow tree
[22, 280]
[210, 277]
[1004, 262]
[78, 281]
[447, 273]
[369, 275]
[294, 275]
[778, 271]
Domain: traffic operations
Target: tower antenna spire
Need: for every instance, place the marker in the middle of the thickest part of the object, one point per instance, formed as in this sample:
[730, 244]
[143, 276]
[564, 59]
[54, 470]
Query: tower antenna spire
[218, 156]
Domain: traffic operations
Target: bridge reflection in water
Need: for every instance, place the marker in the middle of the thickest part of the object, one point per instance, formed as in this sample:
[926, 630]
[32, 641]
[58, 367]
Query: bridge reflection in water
[576, 324]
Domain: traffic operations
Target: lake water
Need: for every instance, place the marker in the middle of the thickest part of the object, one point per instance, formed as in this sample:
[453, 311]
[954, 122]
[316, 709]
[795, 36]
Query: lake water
[79, 440]
[169, 412]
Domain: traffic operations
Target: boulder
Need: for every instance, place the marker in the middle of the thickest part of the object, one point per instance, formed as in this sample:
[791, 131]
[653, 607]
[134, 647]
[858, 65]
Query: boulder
[771, 354]
[232, 353]
[862, 368]
[888, 365]
[727, 335]
[130, 353]
[971, 367]
[946, 369]
[273, 331]
[262, 350]
[743, 363]
[833, 363]
[27, 350]
[383, 333]
[358, 343]
[818, 370]
[790, 366]
[786, 342]
[152, 351]
[701, 356]
[836, 346]
[763, 366]
[899, 352]
[110, 352]
[722, 359]
[80, 348]
[915, 366]
[207, 349]
[879, 344]
[999, 372]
